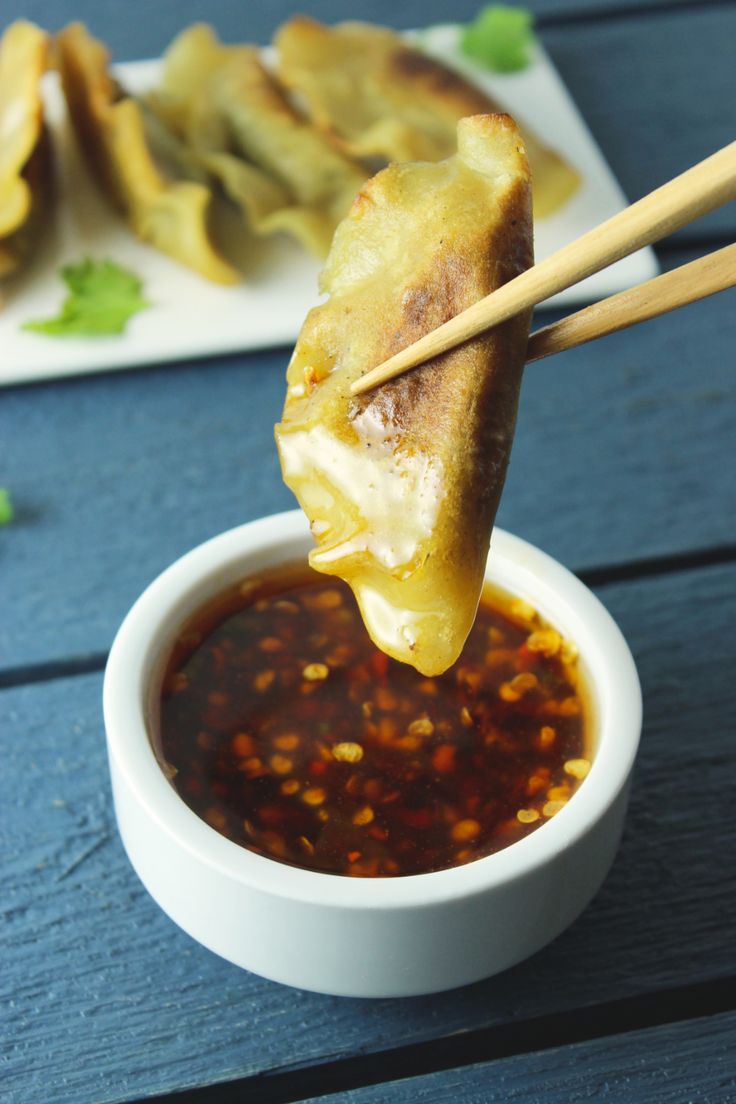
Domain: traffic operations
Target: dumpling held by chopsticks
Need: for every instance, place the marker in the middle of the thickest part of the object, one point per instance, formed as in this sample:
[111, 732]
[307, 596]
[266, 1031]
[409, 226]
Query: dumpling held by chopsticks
[401, 485]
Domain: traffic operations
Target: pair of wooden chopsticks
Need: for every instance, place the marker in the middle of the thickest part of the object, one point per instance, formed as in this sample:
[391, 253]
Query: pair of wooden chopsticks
[708, 185]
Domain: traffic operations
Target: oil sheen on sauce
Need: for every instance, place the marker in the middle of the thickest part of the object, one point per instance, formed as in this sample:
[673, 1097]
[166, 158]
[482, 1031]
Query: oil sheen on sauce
[287, 730]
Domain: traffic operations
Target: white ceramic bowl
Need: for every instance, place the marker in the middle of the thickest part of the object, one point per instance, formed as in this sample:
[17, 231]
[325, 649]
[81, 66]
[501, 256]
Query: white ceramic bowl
[370, 937]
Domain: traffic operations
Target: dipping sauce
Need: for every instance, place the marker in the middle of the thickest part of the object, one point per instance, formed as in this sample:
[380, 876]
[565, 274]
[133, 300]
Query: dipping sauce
[284, 728]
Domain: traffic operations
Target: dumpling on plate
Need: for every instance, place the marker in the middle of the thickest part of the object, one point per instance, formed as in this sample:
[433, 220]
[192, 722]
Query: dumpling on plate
[281, 170]
[25, 162]
[170, 214]
[383, 98]
[189, 121]
[401, 485]
[180, 98]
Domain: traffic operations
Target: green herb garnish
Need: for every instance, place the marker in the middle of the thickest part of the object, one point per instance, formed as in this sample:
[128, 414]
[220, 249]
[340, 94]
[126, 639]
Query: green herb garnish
[500, 38]
[7, 513]
[102, 297]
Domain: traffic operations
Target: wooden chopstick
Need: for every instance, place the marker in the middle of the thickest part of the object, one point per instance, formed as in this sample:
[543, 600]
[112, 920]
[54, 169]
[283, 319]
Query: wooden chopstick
[696, 280]
[707, 185]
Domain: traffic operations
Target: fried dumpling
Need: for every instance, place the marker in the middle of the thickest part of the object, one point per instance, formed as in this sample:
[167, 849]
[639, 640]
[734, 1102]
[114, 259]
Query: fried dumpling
[401, 485]
[25, 163]
[170, 214]
[321, 181]
[180, 99]
[283, 172]
[186, 113]
[383, 98]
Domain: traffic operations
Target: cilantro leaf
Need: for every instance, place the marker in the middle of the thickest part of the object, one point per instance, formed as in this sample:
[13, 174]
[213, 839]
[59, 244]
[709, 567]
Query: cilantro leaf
[102, 297]
[7, 513]
[500, 38]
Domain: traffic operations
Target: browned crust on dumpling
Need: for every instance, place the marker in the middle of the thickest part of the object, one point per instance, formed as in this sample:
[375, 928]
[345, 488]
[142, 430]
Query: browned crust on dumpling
[402, 484]
[170, 214]
[383, 98]
[466, 399]
[432, 78]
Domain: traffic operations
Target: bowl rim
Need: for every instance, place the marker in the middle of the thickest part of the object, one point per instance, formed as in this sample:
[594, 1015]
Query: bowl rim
[515, 565]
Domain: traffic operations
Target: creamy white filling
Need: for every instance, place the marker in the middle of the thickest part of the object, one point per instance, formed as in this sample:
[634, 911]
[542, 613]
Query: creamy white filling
[390, 498]
[392, 629]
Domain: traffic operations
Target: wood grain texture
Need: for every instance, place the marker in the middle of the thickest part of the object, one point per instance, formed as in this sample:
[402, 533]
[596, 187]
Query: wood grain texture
[657, 92]
[691, 1061]
[105, 999]
[620, 452]
[623, 451]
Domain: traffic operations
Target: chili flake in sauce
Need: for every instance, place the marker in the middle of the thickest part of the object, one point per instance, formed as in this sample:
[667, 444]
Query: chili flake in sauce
[285, 728]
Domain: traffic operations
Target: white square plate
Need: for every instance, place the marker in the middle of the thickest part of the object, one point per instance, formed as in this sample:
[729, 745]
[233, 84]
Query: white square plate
[190, 317]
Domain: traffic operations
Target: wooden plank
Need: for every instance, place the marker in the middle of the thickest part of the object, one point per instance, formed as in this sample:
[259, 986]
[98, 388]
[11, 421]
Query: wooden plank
[105, 999]
[660, 1065]
[619, 454]
[657, 92]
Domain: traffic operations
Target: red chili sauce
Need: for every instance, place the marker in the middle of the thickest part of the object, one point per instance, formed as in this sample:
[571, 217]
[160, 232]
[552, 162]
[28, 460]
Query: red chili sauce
[285, 728]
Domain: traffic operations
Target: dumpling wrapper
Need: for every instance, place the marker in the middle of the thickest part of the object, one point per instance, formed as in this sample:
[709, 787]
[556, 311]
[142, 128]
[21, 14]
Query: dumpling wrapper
[171, 215]
[384, 98]
[280, 169]
[25, 163]
[185, 112]
[401, 485]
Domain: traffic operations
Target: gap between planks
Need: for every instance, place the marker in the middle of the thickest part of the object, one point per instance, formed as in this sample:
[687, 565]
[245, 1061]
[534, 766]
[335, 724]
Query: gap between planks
[620, 1017]
[693, 243]
[620, 12]
[595, 576]
[53, 669]
[666, 564]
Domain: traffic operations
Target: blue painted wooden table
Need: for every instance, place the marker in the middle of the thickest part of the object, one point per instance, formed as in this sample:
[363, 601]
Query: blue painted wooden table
[623, 468]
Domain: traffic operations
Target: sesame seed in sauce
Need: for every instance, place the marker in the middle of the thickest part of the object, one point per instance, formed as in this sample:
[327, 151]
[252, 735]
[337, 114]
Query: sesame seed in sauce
[336, 758]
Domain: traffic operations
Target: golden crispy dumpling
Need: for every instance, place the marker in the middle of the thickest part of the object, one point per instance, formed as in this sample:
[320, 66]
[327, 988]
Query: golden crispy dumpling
[267, 130]
[383, 98]
[25, 167]
[283, 172]
[185, 111]
[401, 485]
[180, 100]
[170, 214]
